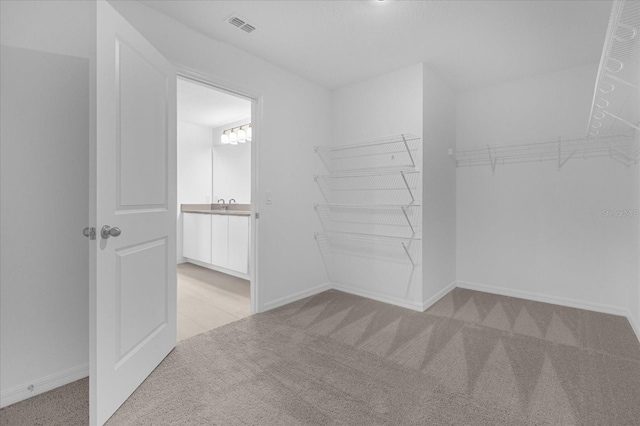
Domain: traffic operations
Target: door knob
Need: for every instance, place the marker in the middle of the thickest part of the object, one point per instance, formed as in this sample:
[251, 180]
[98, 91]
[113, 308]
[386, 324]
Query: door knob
[108, 231]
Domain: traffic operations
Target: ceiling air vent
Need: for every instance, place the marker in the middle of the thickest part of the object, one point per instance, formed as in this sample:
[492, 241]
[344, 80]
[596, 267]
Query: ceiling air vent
[241, 23]
[248, 28]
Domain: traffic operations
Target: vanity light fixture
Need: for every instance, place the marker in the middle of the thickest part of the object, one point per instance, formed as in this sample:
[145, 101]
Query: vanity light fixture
[236, 135]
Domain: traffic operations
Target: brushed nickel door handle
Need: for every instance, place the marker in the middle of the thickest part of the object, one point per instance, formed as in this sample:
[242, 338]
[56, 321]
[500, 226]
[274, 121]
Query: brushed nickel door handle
[108, 231]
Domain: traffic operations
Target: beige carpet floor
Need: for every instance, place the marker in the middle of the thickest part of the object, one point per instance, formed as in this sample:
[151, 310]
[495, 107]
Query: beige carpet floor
[472, 359]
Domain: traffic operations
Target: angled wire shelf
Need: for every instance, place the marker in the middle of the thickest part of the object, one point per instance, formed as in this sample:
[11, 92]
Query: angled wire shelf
[379, 248]
[382, 220]
[393, 152]
[371, 217]
[623, 148]
[616, 99]
[370, 187]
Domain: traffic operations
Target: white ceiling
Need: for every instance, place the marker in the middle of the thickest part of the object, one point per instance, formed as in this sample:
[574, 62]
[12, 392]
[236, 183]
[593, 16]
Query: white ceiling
[469, 43]
[204, 106]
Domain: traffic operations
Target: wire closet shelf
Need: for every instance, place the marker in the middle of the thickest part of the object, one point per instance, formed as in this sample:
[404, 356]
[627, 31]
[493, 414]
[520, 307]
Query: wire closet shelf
[384, 220]
[370, 211]
[623, 148]
[388, 153]
[616, 99]
[378, 187]
[391, 249]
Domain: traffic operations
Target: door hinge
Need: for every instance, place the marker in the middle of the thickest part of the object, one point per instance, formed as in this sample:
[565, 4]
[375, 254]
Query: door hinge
[89, 232]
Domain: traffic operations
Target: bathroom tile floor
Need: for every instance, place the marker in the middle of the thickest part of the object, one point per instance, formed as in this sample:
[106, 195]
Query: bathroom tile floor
[209, 299]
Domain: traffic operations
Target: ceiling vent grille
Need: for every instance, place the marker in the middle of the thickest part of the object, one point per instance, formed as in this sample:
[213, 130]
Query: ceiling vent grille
[235, 21]
[248, 28]
[241, 23]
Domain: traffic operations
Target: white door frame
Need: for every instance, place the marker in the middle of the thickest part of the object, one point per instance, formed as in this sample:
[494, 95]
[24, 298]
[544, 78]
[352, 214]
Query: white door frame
[208, 80]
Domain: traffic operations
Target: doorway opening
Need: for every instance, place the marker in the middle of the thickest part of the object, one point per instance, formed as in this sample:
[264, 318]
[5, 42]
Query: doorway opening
[215, 168]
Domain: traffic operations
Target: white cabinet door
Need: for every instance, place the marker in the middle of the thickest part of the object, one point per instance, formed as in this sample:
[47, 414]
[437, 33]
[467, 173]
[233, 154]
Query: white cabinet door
[219, 236]
[239, 243]
[196, 237]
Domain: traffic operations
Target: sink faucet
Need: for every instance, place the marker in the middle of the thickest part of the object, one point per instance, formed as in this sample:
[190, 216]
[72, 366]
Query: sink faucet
[223, 206]
[232, 200]
[221, 199]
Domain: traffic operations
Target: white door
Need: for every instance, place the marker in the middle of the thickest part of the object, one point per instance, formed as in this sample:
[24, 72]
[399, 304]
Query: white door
[133, 166]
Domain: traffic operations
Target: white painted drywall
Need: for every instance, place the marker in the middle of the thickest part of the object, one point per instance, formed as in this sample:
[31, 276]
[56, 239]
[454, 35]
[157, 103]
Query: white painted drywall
[44, 271]
[44, 275]
[295, 117]
[634, 291]
[231, 167]
[387, 105]
[531, 229]
[194, 171]
[60, 26]
[439, 190]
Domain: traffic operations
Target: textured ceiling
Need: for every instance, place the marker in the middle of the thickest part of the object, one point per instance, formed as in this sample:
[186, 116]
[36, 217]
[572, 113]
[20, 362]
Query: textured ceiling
[469, 43]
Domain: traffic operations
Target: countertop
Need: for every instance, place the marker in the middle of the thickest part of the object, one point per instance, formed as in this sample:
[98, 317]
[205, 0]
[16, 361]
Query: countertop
[232, 209]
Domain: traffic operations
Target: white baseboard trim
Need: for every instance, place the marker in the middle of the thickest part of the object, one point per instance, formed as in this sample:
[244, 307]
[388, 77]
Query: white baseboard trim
[634, 324]
[414, 306]
[218, 268]
[43, 384]
[439, 295]
[539, 297]
[295, 297]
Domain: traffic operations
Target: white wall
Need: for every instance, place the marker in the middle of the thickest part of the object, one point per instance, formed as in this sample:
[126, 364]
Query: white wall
[387, 105]
[439, 192]
[231, 167]
[61, 26]
[286, 162]
[44, 272]
[530, 229]
[634, 291]
[194, 170]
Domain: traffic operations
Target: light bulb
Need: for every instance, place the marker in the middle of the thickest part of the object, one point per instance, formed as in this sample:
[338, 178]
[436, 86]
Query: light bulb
[224, 139]
[242, 136]
[233, 138]
[249, 133]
